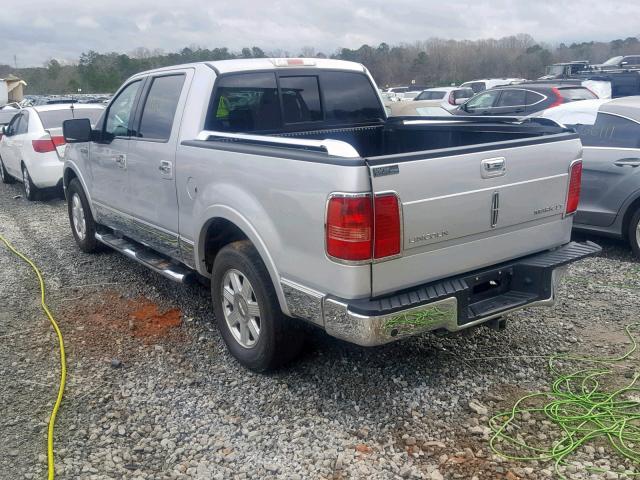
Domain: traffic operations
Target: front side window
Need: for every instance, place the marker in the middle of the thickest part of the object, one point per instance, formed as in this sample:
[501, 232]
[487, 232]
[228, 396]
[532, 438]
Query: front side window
[121, 110]
[300, 99]
[610, 131]
[13, 125]
[482, 101]
[160, 107]
[245, 102]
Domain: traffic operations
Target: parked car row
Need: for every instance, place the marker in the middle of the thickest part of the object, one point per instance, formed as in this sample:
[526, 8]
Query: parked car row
[32, 145]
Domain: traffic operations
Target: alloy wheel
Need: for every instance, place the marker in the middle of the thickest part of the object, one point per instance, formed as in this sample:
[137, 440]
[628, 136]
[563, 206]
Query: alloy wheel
[241, 309]
[77, 215]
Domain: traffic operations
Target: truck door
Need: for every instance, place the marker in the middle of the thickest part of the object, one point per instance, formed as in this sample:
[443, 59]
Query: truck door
[108, 159]
[151, 161]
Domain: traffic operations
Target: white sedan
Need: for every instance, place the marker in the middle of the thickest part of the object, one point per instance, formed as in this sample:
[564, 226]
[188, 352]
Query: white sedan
[32, 145]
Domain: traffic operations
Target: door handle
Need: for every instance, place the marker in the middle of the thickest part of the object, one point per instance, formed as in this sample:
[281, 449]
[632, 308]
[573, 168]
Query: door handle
[493, 167]
[84, 151]
[121, 160]
[627, 162]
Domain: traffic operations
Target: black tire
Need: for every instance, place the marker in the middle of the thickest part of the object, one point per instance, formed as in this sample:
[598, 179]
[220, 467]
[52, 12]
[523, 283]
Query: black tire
[280, 338]
[634, 233]
[4, 175]
[87, 241]
[31, 192]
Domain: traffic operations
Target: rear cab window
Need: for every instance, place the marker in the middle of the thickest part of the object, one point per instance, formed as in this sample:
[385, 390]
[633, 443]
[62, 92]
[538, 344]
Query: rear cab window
[431, 95]
[271, 102]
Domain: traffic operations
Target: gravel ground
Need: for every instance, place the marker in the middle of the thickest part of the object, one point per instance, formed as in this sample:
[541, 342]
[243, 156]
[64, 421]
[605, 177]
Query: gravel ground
[153, 394]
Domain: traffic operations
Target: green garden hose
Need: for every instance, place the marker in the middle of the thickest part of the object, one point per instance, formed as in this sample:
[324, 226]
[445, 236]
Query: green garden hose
[583, 409]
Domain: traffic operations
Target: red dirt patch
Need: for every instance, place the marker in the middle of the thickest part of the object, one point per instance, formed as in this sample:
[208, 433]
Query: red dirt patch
[109, 325]
[149, 322]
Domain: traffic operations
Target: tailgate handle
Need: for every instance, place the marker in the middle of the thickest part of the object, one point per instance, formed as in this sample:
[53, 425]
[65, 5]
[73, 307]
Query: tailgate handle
[493, 167]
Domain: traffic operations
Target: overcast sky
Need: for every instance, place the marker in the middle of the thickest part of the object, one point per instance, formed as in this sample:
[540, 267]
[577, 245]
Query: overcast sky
[36, 30]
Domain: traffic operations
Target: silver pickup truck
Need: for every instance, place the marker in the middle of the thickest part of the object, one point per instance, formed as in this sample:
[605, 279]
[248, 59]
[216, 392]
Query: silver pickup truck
[284, 183]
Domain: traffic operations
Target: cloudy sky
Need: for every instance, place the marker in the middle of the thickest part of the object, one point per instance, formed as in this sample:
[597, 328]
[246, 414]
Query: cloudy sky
[36, 30]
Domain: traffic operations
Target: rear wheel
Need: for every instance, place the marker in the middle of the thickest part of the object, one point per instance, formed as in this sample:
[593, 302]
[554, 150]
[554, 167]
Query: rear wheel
[247, 310]
[30, 190]
[82, 223]
[4, 175]
[634, 233]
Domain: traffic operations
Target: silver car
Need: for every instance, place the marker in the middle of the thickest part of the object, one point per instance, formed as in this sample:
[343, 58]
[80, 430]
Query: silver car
[610, 134]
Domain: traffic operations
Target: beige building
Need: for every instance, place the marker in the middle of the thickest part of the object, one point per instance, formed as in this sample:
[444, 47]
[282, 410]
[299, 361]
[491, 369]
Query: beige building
[11, 89]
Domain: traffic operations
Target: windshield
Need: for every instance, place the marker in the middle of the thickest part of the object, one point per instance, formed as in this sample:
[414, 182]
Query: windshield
[613, 61]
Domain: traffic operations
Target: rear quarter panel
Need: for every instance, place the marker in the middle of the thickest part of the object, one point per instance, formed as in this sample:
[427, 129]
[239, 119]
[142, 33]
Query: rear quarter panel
[279, 204]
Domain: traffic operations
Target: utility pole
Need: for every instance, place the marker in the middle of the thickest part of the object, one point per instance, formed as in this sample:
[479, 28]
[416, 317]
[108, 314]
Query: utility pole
[15, 61]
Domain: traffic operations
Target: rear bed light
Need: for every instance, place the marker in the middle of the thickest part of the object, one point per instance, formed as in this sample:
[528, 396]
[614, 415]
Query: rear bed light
[359, 230]
[575, 182]
[48, 144]
[294, 62]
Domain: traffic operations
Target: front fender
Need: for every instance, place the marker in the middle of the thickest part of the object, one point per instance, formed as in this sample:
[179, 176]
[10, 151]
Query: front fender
[73, 166]
[257, 236]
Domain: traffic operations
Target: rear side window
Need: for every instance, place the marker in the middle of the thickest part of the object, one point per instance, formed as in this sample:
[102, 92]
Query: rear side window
[574, 94]
[610, 131]
[160, 107]
[245, 103]
[533, 97]
[300, 99]
[54, 118]
[512, 98]
[349, 98]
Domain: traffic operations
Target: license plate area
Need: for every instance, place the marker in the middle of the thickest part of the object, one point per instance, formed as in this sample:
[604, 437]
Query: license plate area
[489, 284]
[495, 291]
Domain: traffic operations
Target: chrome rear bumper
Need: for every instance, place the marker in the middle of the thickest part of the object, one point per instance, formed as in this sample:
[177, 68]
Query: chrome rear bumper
[450, 305]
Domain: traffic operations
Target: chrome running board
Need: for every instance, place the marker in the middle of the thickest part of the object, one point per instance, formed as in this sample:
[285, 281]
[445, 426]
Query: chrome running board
[148, 258]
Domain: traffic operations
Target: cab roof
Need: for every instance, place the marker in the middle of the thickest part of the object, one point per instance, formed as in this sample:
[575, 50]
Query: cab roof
[253, 64]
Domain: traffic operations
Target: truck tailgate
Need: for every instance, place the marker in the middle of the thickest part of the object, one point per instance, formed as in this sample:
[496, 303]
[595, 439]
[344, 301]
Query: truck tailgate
[467, 209]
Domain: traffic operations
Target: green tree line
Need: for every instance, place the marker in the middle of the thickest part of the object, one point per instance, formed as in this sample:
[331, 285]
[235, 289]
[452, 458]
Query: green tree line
[434, 62]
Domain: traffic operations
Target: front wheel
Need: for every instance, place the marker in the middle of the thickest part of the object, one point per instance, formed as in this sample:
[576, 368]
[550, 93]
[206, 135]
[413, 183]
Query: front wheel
[634, 233]
[82, 223]
[247, 311]
[30, 190]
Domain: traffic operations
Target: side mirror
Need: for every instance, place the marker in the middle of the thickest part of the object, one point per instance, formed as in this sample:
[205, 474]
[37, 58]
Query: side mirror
[460, 101]
[624, 64]
[77, 130]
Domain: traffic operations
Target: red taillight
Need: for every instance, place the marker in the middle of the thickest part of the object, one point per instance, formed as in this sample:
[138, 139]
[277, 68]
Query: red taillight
[559, 100]
[452, 101]
[358, 230]
[46, 145]
[387, 226]
[349, 227]
[575, 181]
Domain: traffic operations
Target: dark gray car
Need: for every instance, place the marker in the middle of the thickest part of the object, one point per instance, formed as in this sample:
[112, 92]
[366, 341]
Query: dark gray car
[610, 135]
